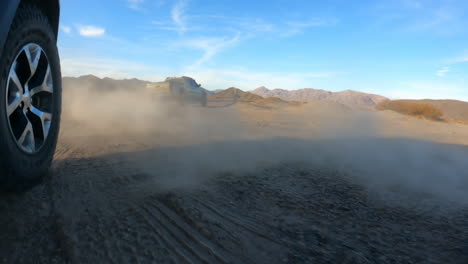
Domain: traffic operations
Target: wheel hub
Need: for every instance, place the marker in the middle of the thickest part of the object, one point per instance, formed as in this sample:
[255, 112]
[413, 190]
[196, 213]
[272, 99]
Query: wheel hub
[29, 100]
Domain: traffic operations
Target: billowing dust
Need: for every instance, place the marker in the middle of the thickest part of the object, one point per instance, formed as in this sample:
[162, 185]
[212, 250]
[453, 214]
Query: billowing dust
[186, 145]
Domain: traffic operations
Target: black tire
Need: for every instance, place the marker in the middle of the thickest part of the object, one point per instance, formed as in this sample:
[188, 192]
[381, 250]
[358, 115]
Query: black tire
[19, 170]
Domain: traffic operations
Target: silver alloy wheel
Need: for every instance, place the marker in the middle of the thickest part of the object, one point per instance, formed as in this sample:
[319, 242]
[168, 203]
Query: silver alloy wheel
[29, 98]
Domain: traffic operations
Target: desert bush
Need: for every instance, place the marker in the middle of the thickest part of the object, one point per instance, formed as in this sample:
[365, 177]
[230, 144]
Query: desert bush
[412, 108]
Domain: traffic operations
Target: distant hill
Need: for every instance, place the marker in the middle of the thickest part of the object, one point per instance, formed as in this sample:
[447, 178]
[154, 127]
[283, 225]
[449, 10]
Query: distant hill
[105, 84]
[348, 97]
[236, 94]
[211, 92]
[452, 109]
[272, 101]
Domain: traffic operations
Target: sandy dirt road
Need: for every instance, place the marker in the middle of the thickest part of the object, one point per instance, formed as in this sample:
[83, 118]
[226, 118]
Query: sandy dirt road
[245, 184]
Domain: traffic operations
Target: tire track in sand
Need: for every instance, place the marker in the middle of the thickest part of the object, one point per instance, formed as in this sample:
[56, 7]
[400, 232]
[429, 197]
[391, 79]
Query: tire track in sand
[227, 217]
[183, 239]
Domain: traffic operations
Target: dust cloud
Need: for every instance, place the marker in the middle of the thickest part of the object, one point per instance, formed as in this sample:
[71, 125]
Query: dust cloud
[136, 112]
[186, 145]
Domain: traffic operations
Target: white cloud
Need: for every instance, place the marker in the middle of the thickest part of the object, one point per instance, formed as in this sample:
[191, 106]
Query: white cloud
[178, 16]
[436, 20]
[135, 4]
[444, 20]
[246, 24]
[246, 28]
[455, 60]
[158, 23]
[258, 25]
[210, 47]
[442, 72]
[255, 26]
[412, 4]
[65, 29]
[461, 59]
[91, 31]
[294, 28]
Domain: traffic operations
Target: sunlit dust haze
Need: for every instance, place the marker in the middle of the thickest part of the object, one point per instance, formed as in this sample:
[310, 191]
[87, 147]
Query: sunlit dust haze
[185, 145]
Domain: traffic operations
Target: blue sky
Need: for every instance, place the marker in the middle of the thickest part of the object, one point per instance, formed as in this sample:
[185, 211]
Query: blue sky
[397, 48]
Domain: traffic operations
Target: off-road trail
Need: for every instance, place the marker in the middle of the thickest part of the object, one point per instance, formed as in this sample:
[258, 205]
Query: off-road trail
[239, 183]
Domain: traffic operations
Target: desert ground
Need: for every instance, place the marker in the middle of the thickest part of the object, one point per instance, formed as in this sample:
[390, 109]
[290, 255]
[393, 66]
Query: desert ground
[139, 181]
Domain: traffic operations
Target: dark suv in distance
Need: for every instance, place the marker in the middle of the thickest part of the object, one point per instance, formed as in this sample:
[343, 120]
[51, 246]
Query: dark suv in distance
[30, 90]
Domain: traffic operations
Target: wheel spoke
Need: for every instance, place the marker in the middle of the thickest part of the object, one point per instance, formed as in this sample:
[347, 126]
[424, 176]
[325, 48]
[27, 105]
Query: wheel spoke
[45, 120]
[13, 106]
[25, 104]
[14, 77]
[46, 85]
[33, 53]
[26, 139]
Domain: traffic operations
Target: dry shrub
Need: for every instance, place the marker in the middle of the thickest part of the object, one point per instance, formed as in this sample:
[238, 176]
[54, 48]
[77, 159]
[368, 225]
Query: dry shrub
[412, 108]
[461, 122]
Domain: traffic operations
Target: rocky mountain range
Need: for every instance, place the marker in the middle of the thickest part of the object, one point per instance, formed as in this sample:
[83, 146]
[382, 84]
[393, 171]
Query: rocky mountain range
[347, 97]
[104, 84]
[452, 109]
[233, 93]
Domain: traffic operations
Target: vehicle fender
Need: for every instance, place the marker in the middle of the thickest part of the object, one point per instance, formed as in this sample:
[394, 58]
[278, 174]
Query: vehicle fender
[7, 14]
